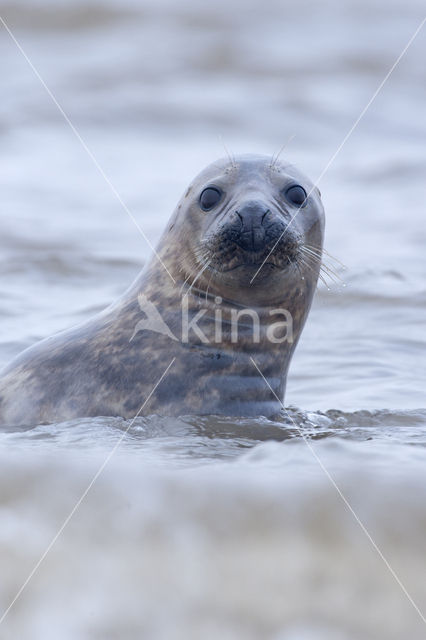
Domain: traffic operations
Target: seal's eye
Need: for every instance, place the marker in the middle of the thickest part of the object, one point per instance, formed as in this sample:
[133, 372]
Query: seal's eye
[209, 198]
[296, 195]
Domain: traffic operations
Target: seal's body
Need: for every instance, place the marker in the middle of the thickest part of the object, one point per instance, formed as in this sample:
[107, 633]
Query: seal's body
[227, 288]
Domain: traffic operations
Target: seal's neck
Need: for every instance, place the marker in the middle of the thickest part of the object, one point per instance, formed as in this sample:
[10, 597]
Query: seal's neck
[236, 356]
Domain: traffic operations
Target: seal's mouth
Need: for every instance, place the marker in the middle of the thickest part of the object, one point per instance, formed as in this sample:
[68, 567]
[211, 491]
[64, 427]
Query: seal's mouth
[225, 257]
[248, 265]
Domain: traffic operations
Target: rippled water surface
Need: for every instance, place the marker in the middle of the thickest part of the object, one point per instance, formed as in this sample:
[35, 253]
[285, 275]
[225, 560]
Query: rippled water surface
[308, 527]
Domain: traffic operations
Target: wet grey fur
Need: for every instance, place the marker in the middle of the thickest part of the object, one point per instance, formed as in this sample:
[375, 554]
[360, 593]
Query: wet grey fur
[98, 369]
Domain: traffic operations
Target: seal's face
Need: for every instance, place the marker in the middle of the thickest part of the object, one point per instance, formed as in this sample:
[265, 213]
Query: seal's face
[253, 232]
[247, 221]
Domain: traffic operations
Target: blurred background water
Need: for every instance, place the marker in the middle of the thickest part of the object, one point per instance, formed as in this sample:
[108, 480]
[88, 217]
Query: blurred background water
[206, 528]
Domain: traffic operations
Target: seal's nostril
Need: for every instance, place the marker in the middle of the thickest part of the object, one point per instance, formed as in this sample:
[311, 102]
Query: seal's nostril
[240, 217]
[265, 214]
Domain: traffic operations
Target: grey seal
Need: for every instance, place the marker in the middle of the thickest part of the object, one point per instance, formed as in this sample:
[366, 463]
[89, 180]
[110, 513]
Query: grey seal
[231, 283]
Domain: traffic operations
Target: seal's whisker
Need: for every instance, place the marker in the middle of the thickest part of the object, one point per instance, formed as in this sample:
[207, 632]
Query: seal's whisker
[184, 283]
[305, 264]
[202, 253]
[323, 265]
[200, 260]
[208, 285]
[320, 260]
[196, 278]
[331, 274]
[276, 156]
[321, 275]
[334, 278]
[317, 254]
[298, 268]
[230, 155]
[329, 255]
[296, 263]
[314, 261]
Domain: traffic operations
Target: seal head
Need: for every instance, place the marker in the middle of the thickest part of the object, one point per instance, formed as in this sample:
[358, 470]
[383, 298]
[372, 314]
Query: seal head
[247, 221]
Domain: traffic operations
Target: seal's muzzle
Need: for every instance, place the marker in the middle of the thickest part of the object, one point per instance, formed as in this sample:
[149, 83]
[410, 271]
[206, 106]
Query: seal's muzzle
[255, 233]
